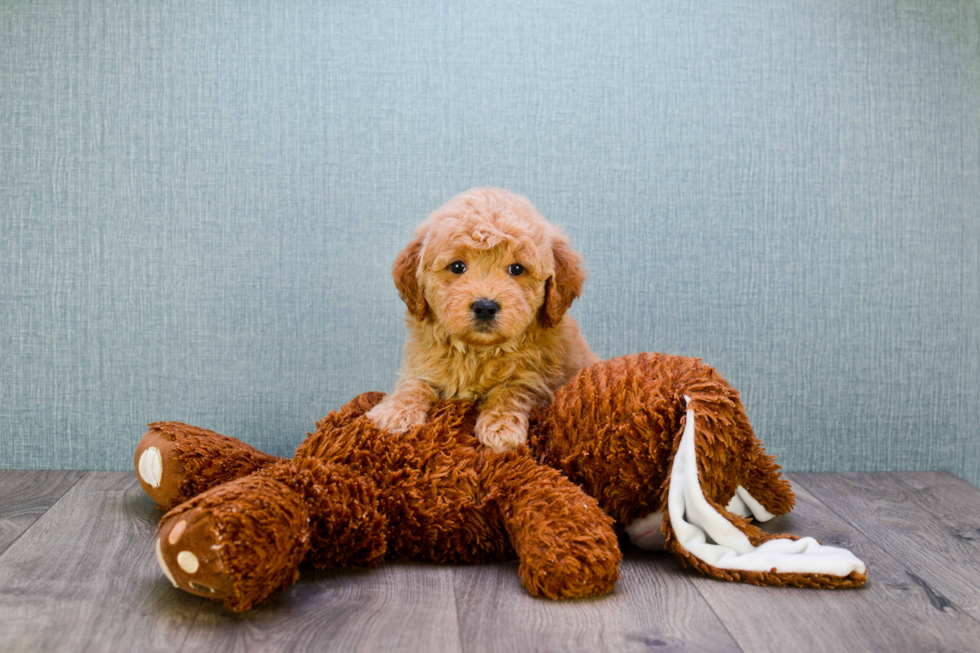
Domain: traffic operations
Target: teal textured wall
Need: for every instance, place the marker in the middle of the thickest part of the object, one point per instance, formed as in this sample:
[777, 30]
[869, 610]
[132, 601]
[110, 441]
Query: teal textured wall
[200, 203]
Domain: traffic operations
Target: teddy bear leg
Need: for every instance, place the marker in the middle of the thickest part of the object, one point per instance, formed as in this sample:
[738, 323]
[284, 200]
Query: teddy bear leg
[566, 543]
[346, 523]
[241, 543]
[176, 461]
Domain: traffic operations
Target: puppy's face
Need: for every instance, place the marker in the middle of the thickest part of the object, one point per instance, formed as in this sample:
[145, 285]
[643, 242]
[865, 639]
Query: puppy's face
[484, 286]
[486, 266]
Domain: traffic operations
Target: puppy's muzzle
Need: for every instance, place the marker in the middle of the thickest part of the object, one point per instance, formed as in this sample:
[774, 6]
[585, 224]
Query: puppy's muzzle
[485, 310]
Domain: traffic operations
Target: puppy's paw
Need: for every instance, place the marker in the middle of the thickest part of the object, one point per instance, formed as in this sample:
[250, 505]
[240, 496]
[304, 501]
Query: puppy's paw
[398, 416]
[501, 431]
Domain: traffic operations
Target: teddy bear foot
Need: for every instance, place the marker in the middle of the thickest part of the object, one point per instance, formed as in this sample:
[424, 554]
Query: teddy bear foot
[239, 543]
[189, 554]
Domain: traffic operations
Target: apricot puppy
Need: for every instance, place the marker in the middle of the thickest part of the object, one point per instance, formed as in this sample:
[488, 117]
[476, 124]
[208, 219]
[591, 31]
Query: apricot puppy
[487, 282]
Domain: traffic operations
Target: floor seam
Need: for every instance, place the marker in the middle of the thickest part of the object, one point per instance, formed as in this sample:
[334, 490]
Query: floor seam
[714, 612]
[190, 626]
[459, 626]
[41, 516]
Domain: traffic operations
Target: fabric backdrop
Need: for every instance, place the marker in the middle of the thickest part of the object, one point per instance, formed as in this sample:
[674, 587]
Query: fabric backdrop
[200, 202]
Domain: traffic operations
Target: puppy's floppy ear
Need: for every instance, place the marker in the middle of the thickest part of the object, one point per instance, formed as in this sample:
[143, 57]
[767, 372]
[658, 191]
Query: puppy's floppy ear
[405, 272]
[565, 285]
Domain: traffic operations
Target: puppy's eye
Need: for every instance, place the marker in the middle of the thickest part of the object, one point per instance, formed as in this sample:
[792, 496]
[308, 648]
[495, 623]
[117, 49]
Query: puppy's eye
[516, 269]
[457, 267]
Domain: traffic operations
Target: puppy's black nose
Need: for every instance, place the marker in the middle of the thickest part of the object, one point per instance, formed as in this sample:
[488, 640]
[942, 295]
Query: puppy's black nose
[485, 309]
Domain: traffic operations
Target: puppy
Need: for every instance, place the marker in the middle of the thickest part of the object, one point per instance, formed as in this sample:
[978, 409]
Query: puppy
[487, 282]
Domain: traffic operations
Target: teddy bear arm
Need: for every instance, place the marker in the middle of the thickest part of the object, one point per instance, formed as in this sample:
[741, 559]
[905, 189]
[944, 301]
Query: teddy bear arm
[176, 461]
[708, 537]
[566, 544]
[761, 477]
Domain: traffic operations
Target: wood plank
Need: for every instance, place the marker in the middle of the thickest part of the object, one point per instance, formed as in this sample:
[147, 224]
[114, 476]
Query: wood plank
[948, 495]
[966, 490]
[395, 607]
[84, 576]
[651, 607]
[26, 495]
[955, 501]
[889, 613]
[913, 527]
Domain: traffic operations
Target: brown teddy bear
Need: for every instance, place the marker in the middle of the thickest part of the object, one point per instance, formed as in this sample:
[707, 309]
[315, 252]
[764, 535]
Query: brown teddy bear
[617, 448]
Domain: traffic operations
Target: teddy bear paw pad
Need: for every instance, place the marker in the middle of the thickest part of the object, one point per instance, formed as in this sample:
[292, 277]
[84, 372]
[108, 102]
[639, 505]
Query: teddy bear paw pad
[190, 555]
[158, 468]
[150, 467]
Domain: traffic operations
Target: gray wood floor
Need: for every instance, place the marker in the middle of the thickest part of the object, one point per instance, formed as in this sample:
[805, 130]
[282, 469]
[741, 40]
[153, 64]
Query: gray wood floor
[78, 572]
